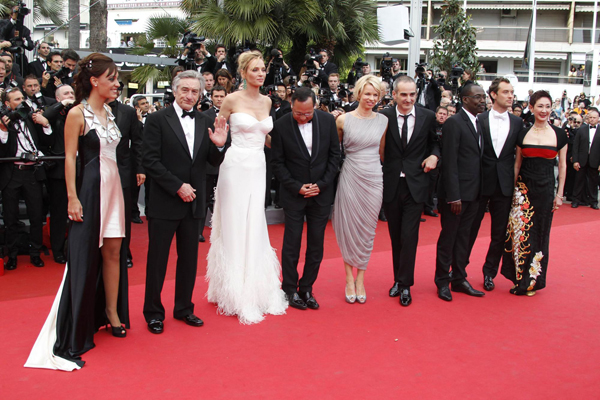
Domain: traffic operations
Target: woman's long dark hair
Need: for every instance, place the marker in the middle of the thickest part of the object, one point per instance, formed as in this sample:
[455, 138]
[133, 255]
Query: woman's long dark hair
[94, 65]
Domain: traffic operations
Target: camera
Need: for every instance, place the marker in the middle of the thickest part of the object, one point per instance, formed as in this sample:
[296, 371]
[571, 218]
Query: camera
[23, 10]
[205, 103]
[195, 41]
[39, 101]
[22, 112]
[385, 68]
[61, 73]
[327, 99]
[168, 97]
[311, 70]
[420, 70]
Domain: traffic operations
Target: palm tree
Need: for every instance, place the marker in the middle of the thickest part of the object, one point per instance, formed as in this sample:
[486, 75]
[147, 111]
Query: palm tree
[166, 28]
[341, 26]
[74, 23]
[51, 9]
[98, 16]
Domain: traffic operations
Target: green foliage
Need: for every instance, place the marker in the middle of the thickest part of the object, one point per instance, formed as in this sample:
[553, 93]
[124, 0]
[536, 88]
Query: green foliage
[456, 40]
[341, 26]
[51, 9]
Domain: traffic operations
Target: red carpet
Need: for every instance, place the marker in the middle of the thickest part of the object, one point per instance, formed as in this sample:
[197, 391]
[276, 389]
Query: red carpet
[497, 347]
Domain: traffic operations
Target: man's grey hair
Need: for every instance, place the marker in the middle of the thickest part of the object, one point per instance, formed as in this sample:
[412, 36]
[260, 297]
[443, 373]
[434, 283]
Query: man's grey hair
[402, 79]
[190, 74]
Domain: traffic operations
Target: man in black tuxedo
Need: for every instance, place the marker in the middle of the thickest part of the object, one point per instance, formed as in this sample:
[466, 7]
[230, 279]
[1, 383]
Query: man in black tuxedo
[10, 32]
[305, 157]
[39, 66]
[460, 189]
[203, 60]
[178, 140]
[500, 131]
[325, 68]
[31, 88]
[55, 174]
[571, 127]
[586, 161]
[131, 144]
[411, 151]
[222, 63]
[23, 177]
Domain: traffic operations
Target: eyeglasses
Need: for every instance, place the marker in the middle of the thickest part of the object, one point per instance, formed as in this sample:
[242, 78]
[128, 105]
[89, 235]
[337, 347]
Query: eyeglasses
[299, 114]
[477, 97]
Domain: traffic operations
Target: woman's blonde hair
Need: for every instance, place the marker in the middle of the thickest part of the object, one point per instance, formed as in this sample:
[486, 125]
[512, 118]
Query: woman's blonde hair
[368, 80]
[246, 58]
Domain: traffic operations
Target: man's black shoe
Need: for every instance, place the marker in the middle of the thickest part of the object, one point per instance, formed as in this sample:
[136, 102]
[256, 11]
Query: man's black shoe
[309, 299]
[295, 301]
[137, 220]
[11, 264]
[36, 261]
[156, 326]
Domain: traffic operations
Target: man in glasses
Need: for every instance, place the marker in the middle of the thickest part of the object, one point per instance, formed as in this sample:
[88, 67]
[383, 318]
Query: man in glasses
[460, 189]
[305, 158]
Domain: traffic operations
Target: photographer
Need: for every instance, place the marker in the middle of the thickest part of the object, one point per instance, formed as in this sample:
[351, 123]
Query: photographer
[428, 91]
[359, 69]
[39, 66]
[70, 60]
[325, 68]
[222, 63]
[195, 56]
[21, 133]
[19, 38]
[11, 75]
[396, 73]
[55, 174]
[57, 76]
[277, 69]
[33, 97]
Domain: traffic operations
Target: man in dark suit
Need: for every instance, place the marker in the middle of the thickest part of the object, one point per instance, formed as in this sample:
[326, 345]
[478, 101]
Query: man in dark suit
[325, 68]
[39, 66]
[178, 140]
[222, 63]
[203, 60]
[23, 137]
[31, 88]
[14, 29]
[305, 157]
[411, 151]
[586, 161]
[459, 193]
[500, 131]
[55, 174]
[131, 144]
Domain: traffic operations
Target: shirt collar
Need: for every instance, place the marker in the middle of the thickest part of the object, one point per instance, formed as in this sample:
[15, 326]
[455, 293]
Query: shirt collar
[178, 109]
[412, 112]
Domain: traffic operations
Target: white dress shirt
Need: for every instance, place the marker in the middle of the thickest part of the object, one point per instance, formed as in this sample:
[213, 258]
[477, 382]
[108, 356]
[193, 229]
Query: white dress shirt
[24, 140]
[189, 127]
[592, 134]
[306, 132]
[410, 127]
[499, 128]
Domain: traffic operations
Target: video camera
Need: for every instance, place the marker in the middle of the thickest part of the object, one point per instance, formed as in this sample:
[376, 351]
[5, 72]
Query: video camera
[455, 73]
[17, 42]
[195, 41]
[385, 68]
[311, 70]
[168, 97]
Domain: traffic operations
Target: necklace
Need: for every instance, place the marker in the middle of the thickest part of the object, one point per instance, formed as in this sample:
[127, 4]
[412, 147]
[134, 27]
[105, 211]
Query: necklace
[359, 115]
[539, 130]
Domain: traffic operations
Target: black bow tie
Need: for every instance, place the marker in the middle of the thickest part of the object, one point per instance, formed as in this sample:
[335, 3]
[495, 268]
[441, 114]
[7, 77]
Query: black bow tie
[190, 114]
[593, 126]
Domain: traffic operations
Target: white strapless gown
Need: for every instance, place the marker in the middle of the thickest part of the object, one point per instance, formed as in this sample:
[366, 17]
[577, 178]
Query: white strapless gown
[243, 272]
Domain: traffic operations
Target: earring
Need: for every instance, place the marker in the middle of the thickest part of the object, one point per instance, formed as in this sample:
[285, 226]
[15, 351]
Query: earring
[244, 84]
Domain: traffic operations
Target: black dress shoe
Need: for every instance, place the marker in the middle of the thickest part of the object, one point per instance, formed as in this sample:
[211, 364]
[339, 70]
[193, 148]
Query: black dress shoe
[431, 213]
[382, 216]
[488, 283]
[595, 206]
[444, 293]
[395, 290]
[309, 299]
[36, 261]
[405, 297]
[466, 288]
[423, 220]
[60, 259]
[192, 320]
[201, 238]
[11, 264]
[156, 326]
[129, 263]
[574, 204]
[137, 220]
[295, 301]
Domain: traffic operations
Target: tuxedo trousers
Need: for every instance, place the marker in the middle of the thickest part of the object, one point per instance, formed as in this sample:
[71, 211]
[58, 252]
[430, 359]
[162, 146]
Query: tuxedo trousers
[499, 207]
[160, 236]
[404, 219]
[585, 190]
[453, 243]
[316, 222]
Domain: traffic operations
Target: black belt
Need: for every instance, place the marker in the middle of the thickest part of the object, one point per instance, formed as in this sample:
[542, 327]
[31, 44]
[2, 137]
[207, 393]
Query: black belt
[25, 167]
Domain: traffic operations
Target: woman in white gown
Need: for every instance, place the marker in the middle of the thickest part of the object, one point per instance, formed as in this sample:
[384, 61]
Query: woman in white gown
[243, 271]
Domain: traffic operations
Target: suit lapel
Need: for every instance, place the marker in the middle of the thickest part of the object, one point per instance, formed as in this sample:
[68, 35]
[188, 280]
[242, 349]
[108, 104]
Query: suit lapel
[298, 136]
[173, 121]
[486, 131]
[198, 134]
[471, 127]
[393, 126]
[514, 130]
[315, 137]
[418, 125]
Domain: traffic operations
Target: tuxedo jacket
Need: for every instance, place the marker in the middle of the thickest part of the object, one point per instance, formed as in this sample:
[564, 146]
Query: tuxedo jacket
[9, 149]
[499, 170]
[130, 146]
[422, 144]
[54, 144]
[284, 109]
[328, 69]
[461, 156]
[37, 68]
[168, 162]
[294, 166]
[581, 147]
[229, 66]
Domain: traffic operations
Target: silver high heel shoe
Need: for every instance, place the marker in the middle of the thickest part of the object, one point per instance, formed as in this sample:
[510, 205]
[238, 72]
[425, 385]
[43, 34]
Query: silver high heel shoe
[362, 299]
[350, 299]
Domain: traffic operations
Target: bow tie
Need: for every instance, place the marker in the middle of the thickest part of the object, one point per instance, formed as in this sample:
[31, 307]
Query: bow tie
[190, 114]
[593, 126]
[501, 116]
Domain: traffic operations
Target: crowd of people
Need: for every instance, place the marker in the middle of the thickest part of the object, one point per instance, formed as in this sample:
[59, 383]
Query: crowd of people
[210, 148]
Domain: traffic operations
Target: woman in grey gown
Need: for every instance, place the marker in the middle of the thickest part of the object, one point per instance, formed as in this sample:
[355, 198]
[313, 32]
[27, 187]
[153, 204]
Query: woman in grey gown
[360, 187]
